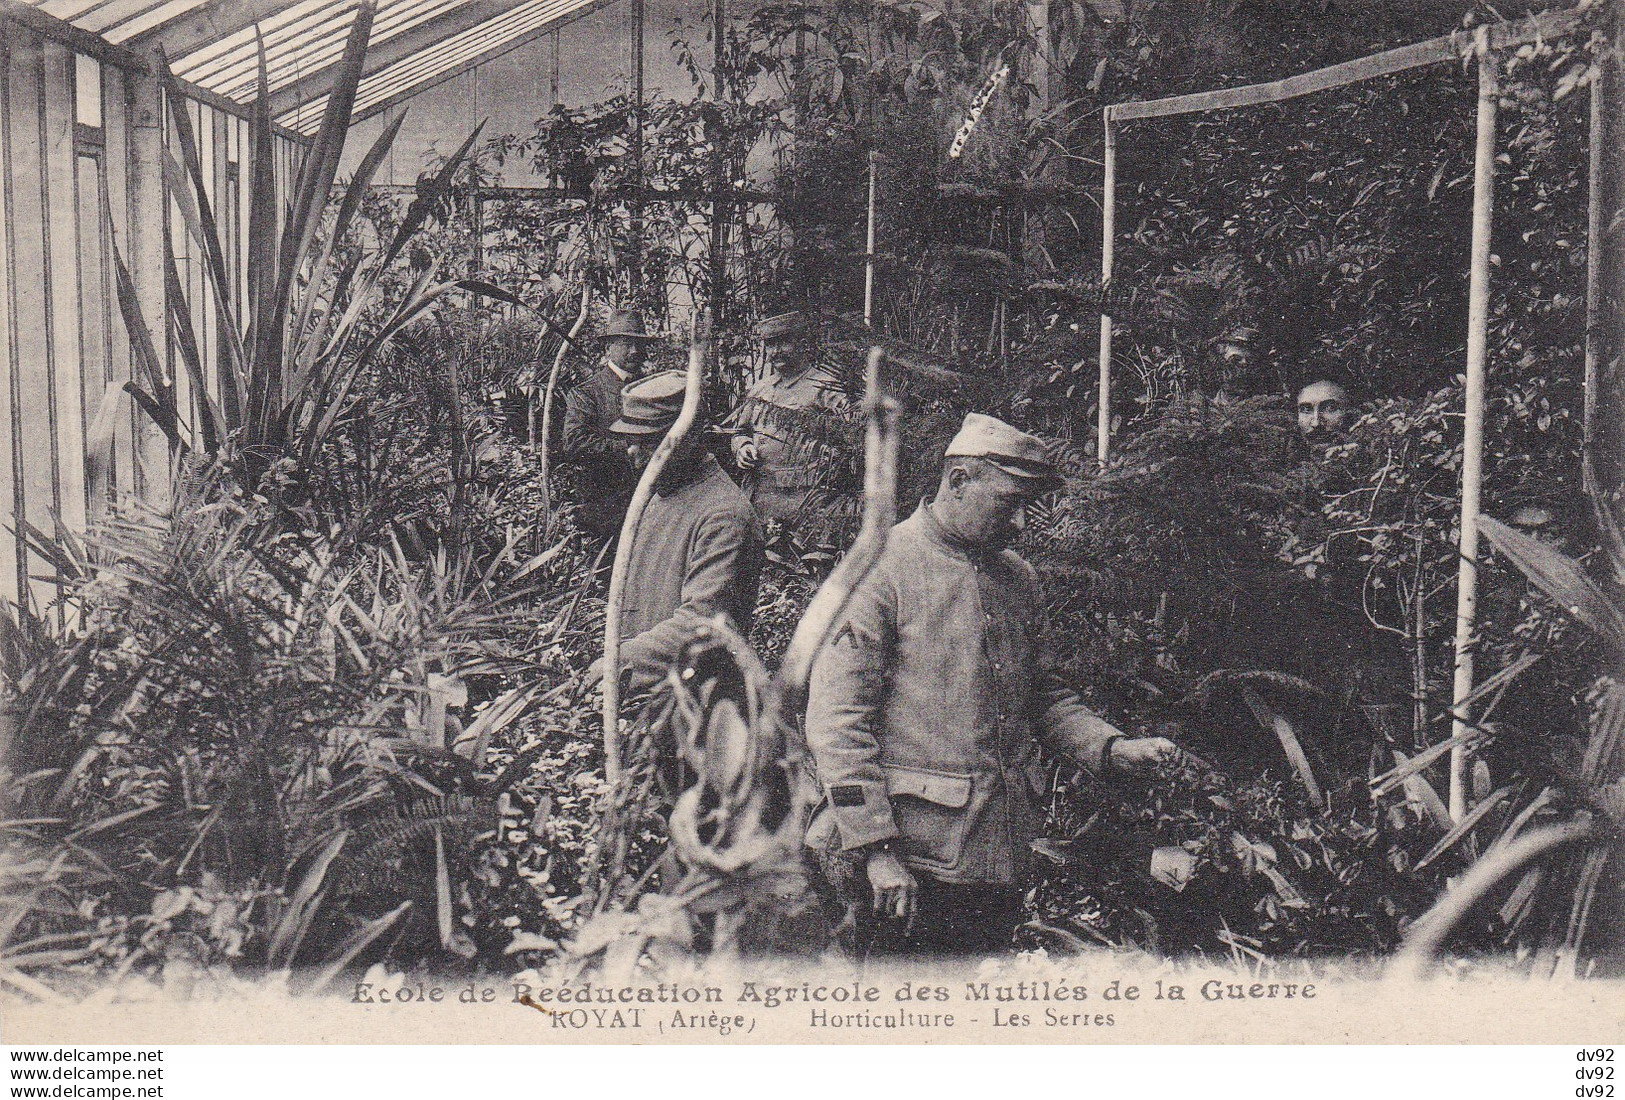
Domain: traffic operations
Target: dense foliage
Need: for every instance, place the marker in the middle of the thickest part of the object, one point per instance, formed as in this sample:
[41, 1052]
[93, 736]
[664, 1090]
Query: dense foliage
[328, 707]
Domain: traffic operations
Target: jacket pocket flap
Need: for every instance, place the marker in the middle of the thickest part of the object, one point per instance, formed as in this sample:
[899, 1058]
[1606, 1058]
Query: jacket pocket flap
[943, 788]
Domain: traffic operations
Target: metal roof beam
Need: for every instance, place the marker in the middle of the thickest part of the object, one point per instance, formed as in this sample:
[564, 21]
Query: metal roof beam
[192, 30]
[421, 86]
[397, 48]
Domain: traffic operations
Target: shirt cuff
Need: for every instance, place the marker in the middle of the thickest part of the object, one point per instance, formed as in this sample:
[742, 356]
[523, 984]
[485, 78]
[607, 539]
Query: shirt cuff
[863, 814]
[1106, 752]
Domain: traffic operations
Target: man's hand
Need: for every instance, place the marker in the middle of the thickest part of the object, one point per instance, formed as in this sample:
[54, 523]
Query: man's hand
[896, 892]
[593, 676]
[1142, 754]
[746, 456]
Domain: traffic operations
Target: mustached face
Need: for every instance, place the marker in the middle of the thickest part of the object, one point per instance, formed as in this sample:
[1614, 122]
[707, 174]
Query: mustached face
[783, 354]
[989, 505]
[640, 449]
[1323, 408]
[626, 354]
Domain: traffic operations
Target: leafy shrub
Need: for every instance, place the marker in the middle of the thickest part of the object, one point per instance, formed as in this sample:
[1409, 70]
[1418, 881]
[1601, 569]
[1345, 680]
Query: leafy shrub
[1202, 863]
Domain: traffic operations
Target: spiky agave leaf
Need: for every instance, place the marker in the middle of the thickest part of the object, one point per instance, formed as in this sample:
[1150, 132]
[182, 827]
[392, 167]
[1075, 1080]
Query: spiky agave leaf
[1561, 578]
[317, 170]
[431, 196]
[310, 343]
[264, 245]
[212, 424]
[198, 212]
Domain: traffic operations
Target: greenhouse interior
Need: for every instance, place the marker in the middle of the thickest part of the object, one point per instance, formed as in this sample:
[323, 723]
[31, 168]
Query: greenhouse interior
[333, 639]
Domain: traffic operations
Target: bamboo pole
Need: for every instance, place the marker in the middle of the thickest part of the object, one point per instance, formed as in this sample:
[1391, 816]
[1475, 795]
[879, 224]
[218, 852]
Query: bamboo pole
[1435, 51]
[1472, 444]
[1108, 230]
[553, 70]
[869, 247]
[1603, 432]
[547, 406]
[881, 442]
[623, 554]
[719, 227]
[1595, 228]
[637, 146]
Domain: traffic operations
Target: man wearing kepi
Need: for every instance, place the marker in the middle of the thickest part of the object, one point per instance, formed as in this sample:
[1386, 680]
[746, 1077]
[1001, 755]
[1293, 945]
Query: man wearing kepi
[697, 552]
[927, 708]
[606, 480]
[780, 464]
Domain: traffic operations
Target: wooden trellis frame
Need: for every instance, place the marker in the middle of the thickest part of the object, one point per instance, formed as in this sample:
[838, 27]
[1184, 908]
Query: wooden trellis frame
[1483, 45]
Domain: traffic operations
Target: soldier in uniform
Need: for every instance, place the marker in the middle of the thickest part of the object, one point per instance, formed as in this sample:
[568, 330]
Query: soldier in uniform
[606, 478]
[697, 552]
[927, 709]
[781, 467]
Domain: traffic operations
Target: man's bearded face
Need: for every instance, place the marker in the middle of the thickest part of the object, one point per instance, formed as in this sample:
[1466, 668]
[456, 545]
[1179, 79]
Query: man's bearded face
[784, 354]
[1323, 407]
[626, 354]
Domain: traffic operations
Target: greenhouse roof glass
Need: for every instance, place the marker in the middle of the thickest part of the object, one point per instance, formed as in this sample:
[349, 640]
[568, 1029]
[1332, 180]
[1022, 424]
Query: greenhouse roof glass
[414, 43]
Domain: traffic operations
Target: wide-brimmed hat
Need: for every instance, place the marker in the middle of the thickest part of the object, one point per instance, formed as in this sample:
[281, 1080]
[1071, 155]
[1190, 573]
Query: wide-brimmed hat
[650, 405]
[782, 325]
[626, 325]
[1012, 450]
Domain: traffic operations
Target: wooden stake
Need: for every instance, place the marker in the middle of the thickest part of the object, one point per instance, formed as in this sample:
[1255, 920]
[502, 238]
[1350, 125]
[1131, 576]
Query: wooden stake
[637, 148]
[1595, 228]
[869, 248]
[1603, 449]
[547, 406]
[1472, 444]
[881, 442]
[719, 209]
[1108, 230]
[553, 71]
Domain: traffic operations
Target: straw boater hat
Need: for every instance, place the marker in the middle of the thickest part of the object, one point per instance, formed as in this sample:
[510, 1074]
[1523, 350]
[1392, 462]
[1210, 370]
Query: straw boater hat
[1014, 451]
[650, 405]
[626, 325]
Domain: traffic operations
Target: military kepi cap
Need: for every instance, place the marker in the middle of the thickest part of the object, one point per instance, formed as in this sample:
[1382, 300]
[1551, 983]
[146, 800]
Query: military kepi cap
[650, 404]
[783, 325]
[1014, 451]
[626, 325]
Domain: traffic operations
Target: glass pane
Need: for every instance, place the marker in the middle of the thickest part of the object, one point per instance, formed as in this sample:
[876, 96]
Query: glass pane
[87, 83]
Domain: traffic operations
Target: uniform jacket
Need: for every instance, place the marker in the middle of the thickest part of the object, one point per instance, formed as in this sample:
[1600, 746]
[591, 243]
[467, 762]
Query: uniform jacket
[787, 469]
[606, 477]
[927, 706]
[697, 554]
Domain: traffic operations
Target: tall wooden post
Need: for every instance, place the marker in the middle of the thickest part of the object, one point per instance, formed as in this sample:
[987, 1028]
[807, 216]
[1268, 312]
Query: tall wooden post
[476, 210]
[1038, 16]
[1108, 230]
[553, 71]
[1472, 444]
[869, 246]
[719, 207]
[1604, 415]
[637, 149]
[148, 240]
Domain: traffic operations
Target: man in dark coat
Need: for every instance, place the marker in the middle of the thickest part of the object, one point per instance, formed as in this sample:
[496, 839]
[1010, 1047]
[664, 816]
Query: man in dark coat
[605, 478]
[697, 552]
[927, 710]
